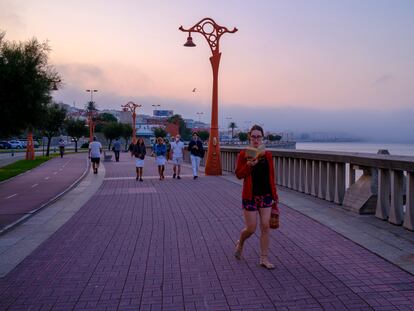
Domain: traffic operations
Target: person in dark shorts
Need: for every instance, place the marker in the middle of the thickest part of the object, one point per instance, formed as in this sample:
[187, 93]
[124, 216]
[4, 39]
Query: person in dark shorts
[95, 150]
[255, 166]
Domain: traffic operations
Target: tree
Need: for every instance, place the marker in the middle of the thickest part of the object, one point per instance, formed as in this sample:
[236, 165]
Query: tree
[204, 135]
[126, 133]
[243, 136]
[182, 126]
[52, 123]
[111, 131]
[76, 129]
[26, 81]
[159, 132]
[102, 119]
[232, 126]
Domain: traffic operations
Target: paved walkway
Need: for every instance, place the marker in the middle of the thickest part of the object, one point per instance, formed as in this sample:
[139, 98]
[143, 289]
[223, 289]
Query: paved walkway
[168, 245]
[22, 195]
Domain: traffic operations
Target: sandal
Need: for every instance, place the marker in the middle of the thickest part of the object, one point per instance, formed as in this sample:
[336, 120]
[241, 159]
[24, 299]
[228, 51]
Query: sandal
[238, 250]
[264, 262]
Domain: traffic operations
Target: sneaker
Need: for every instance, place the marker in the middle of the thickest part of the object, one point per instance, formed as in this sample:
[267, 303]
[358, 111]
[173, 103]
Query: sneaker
[195, 177]
[136, 178]
[178, 177]
[175, 175]
[238, 250]
[141, 179]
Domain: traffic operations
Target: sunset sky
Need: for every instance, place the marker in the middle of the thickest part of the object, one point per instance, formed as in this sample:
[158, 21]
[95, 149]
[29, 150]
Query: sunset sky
[297, 65]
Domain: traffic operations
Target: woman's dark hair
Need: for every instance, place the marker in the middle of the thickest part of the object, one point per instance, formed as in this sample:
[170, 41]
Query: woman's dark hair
[142, 141]
[257, 128]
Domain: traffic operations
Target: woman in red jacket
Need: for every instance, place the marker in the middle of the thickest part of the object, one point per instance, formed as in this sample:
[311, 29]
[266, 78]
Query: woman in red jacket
[259, 192]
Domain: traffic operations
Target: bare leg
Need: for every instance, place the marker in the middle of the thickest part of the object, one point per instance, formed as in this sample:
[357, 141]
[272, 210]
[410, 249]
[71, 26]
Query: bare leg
[250, 220]
[264, 237]
[179, 170]
[137, 169]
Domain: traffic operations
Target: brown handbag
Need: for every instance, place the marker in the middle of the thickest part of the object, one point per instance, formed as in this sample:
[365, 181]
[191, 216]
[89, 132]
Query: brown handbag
[274, 216]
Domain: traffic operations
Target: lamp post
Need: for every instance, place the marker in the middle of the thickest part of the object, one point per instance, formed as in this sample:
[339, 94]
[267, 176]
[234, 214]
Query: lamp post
[91, 112]
[30, 152]
[131, 106]
[212, 32]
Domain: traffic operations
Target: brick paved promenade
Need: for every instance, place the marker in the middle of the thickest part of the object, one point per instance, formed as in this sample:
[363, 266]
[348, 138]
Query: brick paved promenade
[168, 245]
[26, 193]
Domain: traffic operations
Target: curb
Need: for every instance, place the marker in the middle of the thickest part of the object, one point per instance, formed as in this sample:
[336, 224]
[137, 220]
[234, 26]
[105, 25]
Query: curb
[52, 200]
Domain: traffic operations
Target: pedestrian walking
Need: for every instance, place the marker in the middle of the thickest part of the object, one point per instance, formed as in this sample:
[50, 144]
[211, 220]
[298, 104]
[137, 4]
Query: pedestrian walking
[160, 151]
[139, 151]
[177, 149]
[95, 150]
[116, 149]
[255, 166]
[196, 153]
[61, 147]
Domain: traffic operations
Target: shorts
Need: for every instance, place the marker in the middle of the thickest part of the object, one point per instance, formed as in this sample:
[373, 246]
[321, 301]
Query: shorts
[96, 160]
[258, 201]
[160, 160]
[177, 161]
[139, 163]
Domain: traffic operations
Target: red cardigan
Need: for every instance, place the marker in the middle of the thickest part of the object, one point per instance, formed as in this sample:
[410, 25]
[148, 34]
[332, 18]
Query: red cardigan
[244, 171]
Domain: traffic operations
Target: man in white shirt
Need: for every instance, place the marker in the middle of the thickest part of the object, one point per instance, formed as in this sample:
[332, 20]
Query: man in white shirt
[177, 148]
[95, 150]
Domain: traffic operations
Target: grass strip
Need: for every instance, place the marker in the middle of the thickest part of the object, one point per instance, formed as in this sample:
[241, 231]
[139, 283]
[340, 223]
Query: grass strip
[21, 166]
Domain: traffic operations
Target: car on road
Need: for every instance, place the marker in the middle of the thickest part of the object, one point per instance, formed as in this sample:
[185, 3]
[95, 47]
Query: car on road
[5, 145]
[16, 144]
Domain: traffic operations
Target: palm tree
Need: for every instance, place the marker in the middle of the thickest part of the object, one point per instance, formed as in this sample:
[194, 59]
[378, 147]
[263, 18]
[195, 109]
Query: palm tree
[232, 125]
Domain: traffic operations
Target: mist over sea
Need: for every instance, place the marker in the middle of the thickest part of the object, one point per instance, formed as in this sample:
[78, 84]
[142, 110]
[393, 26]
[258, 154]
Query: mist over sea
[393, 148]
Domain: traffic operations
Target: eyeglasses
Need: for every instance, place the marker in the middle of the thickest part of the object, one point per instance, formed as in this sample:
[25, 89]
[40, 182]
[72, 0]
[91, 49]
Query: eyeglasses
[256, 137]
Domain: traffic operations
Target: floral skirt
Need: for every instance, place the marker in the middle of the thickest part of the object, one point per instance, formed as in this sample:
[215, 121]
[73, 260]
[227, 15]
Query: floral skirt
[258, 201]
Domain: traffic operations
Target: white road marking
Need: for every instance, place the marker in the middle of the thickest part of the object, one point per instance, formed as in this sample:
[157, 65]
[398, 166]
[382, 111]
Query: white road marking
[10, 196]
[34, 185]
[54, 173]
[46, 178]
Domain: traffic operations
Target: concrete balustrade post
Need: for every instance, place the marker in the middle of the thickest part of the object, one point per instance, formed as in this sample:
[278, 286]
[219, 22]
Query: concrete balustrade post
[396, 208]
[308, 176]
[295, 174]
[290, 173]
[383, 198]
[284, 172]
[330, 185]
[322, 179]
[351, 175]
[339, 183]
[301, 175]
[315, 178]
[279, 170]
[409, 204]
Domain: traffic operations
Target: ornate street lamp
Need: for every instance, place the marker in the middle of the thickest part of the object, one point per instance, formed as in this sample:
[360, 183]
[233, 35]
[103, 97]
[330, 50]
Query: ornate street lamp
[212, 32]
[91, 113]
[131, 106]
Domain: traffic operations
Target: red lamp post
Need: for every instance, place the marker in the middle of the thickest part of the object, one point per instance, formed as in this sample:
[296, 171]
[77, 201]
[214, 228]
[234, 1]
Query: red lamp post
[30, 152]
[212, 32]
[91, 113]
[131, 106]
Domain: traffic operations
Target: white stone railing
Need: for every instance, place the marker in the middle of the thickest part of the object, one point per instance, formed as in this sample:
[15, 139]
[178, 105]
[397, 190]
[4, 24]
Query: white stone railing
[322, 174]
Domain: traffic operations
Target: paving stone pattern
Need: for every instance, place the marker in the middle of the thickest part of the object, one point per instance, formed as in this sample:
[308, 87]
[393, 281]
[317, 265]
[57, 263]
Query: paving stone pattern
[168, 245]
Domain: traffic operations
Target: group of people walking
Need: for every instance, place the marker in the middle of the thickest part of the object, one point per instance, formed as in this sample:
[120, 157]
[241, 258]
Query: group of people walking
[163, 152]
[259, 193]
